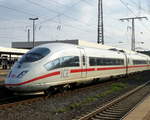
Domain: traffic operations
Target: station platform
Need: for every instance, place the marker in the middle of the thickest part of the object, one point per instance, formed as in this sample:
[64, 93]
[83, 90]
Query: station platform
[2, 81]
[141, 112]
[3, 74]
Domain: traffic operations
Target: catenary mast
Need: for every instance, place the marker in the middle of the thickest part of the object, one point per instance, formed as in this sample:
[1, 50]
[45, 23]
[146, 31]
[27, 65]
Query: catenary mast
[100, 31]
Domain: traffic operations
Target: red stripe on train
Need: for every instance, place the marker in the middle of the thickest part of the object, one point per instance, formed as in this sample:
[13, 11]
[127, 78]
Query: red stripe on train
[107, 68]
[82, 70]
[35, 79]
[137, 66]
[111, 68]
[72, 71]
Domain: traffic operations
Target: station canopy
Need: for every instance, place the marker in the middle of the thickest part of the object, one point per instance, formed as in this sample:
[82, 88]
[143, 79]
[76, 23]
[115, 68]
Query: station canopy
[12, 51]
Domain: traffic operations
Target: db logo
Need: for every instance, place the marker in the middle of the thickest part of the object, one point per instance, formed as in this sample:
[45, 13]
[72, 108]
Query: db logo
[13, 76]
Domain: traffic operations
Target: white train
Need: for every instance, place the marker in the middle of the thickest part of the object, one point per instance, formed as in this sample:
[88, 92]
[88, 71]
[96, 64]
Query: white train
[59, 64]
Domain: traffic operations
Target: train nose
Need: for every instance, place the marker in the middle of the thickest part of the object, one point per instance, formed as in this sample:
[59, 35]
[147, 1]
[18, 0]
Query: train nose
[15, 86]
[14, 79]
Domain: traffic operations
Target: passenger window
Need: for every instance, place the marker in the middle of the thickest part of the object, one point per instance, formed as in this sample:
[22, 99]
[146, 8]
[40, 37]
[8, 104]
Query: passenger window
[83, 59]
[53, 65]
[136, 62]
[99, 61]
[95, 61]
[70, 61]
[92, 61]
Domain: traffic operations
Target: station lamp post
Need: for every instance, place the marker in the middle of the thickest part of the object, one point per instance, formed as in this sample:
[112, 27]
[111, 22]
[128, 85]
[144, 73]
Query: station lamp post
[33, 19]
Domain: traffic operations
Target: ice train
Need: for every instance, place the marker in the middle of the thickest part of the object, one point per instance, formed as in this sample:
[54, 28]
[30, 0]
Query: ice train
[59, 64]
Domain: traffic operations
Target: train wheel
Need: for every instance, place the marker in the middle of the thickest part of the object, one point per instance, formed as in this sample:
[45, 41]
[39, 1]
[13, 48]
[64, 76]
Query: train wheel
[50, 91]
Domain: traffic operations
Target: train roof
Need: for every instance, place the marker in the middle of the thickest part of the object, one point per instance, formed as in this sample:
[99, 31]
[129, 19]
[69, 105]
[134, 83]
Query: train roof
[100, 46]
[82, 43]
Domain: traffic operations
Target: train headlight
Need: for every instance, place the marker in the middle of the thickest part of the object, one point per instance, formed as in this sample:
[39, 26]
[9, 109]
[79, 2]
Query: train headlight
[22, 74]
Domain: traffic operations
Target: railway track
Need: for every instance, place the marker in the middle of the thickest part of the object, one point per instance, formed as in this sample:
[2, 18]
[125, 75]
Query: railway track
[12, 101]
[116, 109]
[15, 99]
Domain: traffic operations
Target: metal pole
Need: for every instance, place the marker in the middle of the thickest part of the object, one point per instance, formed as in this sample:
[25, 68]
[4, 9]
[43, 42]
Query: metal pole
[133, 29]
[98, 38]
[33, 29]
[133, 35]
[28, 35]
[100, 31]
[33, 33]
[102, 22]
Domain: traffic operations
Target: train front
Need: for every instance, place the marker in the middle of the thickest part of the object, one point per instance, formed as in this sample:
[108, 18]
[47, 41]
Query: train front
[23, 74]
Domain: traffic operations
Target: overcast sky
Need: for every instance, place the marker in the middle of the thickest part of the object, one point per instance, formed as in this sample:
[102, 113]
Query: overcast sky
[74, 19]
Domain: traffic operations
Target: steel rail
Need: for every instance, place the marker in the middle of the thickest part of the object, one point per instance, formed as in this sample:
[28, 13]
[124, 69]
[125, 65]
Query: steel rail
[98, 113]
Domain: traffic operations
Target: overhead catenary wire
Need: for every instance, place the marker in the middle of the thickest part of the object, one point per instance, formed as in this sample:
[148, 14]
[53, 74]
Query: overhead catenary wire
[58, 13]
[58, 3]
[87, 2]
[71, 26]
[61, 14]
[4, 37]
[28, 14]
[141, 9]
[126, 5]
[25, 12]
[16, 10]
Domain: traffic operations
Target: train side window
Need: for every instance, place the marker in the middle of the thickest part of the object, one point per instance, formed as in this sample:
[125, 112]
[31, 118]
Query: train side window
[83, 59]
[138, 62]
[117, 62]
[122, 62]
[52, 65]
[92, 61]
[99, 61]
[95, 61]
[70, 61]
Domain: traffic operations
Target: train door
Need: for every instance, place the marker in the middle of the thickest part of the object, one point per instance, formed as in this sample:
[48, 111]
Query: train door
[126, 62]
[83, 63]
[65, 72]
[70, 67]
[129, 64]
[147, 64]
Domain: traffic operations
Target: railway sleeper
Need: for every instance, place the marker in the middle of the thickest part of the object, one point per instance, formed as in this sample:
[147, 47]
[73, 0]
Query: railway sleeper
[94, 119]
[116, 113]
[123, 103]
[122, 106]
[126, 106]
[111, 113]
[106, 117]
[119, 106]
[119, 109]
[115, 110]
